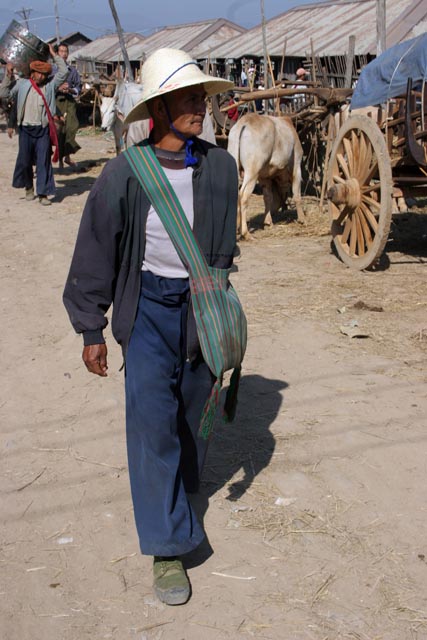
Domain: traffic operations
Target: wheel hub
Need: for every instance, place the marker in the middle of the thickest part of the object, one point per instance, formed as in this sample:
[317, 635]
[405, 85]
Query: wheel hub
[346, 193]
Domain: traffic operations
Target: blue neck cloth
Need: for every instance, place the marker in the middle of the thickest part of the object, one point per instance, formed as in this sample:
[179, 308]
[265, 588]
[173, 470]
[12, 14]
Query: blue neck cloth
[189, 159]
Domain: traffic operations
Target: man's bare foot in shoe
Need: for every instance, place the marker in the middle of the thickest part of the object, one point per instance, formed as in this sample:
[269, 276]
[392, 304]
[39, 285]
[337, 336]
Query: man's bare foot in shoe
[70, 162]
[44, 200]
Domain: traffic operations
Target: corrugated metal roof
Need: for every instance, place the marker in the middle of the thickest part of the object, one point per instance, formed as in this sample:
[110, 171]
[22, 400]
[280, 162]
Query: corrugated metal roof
[103, 46]
[328, 25]
[193, 37]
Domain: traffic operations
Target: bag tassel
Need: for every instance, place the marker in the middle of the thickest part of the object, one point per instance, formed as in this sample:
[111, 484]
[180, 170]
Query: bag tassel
[230, 404]
[209, 410]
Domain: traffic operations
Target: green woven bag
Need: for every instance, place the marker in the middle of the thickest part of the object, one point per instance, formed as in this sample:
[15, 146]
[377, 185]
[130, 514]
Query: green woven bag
[220, 320]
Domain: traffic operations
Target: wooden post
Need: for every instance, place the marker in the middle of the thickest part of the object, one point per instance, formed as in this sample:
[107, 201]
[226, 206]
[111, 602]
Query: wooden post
[282, 64]
[313, 70]
[121, 40]
[381, 27]
[94, 110]
[349, 62]
[264, 44]
[55, 8]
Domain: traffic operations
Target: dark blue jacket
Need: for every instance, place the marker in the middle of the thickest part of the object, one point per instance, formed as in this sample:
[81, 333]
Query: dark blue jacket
[108, 256]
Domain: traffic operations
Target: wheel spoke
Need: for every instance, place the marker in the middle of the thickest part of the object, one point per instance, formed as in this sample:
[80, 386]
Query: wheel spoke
[360, 236]
[346, 232]
[365, 158]
[365, 228]
[343, 164]
[371, 187]
[356, 152]
[353, 235]
[350, 156]
[374, 204]
[369, 216]
[338, 180]
[370, 174]
[343, 214]
[335, 210]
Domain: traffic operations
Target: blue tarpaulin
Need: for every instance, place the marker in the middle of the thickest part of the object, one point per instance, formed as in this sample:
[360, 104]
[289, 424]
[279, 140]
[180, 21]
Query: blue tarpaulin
[387, 76]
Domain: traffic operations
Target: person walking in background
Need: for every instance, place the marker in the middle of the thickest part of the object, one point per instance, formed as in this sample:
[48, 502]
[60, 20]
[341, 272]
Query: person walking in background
[125, 256]
[301, 77]
[232, 113]
[35, 105]
[9, 105]
[66, 96]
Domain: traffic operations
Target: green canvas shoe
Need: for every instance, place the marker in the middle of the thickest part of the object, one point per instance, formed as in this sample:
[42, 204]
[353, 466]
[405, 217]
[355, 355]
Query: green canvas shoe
[171, 584]
[29, 194]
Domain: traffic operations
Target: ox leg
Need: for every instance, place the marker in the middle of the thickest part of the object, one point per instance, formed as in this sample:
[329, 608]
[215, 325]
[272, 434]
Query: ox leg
[268, 192]
[245, 193]
[296, 192]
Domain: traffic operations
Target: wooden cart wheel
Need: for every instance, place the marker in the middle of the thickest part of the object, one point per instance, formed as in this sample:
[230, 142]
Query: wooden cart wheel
[360, 192]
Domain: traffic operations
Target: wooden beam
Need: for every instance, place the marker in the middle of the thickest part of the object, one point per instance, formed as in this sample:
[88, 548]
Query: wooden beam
[349, 61]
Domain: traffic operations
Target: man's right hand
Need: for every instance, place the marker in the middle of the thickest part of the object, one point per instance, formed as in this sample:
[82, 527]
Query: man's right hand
[95, 358]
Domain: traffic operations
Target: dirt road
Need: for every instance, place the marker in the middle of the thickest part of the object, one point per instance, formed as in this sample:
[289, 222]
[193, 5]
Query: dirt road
[314, 501]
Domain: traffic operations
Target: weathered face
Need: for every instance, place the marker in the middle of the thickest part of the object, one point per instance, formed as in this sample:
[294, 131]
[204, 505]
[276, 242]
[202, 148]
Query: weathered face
[63, 51]
[39, 78]
[187, 108]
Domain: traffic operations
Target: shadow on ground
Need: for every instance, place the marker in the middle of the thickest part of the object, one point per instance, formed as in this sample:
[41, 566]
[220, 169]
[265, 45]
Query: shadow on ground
[242, 449]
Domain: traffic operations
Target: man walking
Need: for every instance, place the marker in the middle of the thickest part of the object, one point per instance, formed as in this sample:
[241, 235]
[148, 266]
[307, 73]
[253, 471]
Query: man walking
[66, 96]
[36, 106]
[124, 256]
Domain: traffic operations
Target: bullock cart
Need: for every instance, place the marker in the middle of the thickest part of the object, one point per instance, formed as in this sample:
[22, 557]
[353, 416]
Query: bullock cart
[371, 159]
[376, 162]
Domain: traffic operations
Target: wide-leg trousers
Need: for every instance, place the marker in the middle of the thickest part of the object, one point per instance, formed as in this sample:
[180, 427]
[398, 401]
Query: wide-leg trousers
[66, 105]
[34, 149]
[165, 396]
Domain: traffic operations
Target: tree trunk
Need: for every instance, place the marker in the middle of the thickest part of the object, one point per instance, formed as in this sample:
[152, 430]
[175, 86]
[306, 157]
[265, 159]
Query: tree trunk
[121, 40]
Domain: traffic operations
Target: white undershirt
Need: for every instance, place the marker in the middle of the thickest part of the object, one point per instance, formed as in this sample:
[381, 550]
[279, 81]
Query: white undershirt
[160, 256]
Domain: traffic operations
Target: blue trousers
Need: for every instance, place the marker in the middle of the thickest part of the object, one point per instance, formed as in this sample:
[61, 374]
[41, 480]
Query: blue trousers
[34, 149]
[165, 395]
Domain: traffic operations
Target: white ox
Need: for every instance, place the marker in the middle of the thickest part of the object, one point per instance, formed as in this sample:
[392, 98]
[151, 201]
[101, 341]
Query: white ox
[267, 149]
[114, 110]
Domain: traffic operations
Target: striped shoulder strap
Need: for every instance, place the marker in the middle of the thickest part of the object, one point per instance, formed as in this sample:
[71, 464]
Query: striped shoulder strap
[155, 183]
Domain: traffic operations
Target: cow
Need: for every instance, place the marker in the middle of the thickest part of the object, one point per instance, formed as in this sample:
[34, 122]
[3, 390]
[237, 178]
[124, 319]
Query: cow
[115, 109]
[267, 150]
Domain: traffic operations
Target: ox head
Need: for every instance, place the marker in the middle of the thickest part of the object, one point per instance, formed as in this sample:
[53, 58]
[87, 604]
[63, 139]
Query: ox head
[108, 113]
[126, 95]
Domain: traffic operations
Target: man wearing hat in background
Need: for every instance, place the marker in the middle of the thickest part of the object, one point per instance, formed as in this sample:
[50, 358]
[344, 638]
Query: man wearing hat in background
[36, 105]
[125, 257]
[301, 76]
[66, 96]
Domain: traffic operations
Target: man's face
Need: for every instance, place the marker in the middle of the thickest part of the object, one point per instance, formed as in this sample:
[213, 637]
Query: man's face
[63, 52]
[39, 78]
[187, 108]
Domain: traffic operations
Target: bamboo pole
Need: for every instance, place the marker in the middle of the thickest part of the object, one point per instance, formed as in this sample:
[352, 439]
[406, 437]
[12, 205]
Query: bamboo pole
[282, 63]
[349, 61]
[121, 40]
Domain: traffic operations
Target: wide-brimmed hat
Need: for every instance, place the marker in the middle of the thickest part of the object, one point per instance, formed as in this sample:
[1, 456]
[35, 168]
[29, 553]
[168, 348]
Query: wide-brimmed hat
[167, 70]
